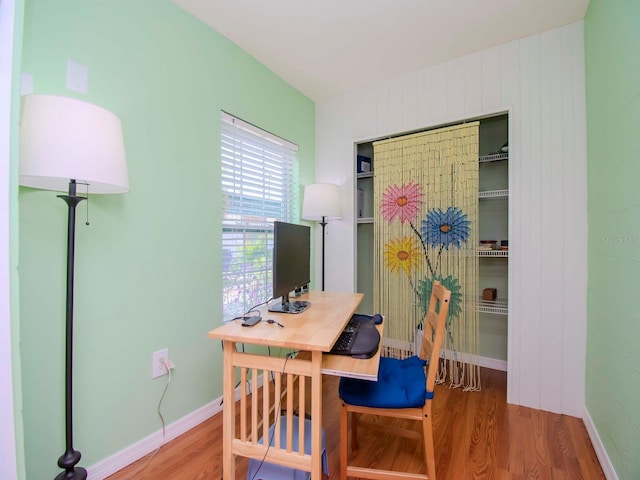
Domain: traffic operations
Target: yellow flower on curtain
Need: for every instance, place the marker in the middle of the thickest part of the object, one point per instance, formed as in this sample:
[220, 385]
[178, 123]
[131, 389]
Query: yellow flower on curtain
[402, 254]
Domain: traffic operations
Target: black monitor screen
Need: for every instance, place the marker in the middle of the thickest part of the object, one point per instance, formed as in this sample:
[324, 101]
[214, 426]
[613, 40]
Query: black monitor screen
[291, 260]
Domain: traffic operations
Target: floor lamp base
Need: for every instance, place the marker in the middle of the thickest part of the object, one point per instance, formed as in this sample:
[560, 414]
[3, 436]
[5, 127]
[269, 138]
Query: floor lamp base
[77, 473]
[68, 461]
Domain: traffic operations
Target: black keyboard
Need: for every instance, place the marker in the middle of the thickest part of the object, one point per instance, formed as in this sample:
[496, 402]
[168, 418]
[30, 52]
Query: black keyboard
[359, 339]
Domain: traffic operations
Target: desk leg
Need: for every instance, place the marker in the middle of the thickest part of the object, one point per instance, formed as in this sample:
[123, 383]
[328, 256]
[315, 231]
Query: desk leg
[316, 415]
[228, 412]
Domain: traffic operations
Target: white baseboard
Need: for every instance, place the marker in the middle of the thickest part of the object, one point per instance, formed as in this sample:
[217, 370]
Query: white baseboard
[132, 453]
[598, 446]
[486, 362]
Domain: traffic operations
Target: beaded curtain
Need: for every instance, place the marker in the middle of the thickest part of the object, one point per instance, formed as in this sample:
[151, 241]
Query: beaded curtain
[425, 229]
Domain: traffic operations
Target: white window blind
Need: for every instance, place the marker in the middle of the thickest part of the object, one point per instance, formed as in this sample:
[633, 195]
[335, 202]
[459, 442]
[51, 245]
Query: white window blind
[259, 186]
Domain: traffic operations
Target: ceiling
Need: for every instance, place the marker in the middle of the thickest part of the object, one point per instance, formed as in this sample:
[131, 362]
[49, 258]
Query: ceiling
[328, 47]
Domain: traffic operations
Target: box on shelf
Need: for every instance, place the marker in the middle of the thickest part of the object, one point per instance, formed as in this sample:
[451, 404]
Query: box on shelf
[364, 164]
[489, 294]
[360, 203]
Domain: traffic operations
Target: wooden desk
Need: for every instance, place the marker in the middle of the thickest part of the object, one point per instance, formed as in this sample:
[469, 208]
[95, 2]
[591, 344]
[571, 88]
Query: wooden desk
[314, 331]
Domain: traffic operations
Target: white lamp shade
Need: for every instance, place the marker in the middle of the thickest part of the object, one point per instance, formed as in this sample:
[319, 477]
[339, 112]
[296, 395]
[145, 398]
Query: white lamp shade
[321, 200]
[63, 139]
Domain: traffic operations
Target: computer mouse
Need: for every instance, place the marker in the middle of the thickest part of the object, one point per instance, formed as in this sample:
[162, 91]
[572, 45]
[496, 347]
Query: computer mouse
[377, 319]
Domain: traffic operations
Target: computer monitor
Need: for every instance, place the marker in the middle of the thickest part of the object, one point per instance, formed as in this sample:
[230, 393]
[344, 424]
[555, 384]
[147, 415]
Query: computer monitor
[291, 260]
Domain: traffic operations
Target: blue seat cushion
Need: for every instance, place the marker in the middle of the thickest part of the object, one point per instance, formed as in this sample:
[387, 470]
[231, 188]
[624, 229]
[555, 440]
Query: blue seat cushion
[401, 384]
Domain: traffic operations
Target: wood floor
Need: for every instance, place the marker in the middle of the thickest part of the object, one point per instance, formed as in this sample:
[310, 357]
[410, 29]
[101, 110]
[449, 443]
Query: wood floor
[477, 436]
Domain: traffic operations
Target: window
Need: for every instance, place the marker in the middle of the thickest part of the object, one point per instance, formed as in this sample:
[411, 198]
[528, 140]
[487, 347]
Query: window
[259, 186]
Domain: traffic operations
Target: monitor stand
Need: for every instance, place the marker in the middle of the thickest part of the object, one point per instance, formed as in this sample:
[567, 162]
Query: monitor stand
[297, 306]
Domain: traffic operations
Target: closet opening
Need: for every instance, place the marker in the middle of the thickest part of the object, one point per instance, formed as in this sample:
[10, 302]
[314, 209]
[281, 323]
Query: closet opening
[486, 295]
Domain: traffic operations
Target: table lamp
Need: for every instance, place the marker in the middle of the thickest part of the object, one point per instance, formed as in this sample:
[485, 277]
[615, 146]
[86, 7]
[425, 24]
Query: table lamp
[322, 202]
[66, 142]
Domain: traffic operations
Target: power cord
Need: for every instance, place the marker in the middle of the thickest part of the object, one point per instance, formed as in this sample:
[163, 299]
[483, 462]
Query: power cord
[245, 314]
[164, 392]
[259, 304]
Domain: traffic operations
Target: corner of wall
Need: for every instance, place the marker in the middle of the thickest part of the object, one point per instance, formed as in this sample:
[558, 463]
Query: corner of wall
[598, 446]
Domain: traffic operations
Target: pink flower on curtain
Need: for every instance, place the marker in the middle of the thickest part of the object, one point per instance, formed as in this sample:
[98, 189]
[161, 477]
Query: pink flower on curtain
[402, 201]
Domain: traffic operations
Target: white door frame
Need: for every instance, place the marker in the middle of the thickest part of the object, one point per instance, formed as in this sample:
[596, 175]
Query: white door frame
[8, 462]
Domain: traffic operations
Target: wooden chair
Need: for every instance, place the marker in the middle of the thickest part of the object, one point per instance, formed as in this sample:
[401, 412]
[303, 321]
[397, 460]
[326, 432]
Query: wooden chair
[403, 390]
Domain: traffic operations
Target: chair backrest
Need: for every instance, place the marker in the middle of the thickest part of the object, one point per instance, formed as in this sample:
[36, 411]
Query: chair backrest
[434, 328]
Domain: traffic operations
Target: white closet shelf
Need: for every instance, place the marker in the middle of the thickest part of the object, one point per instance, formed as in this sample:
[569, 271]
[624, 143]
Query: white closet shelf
[364, 175]
[494, 158]
[493, 253]
[494, 194]
[499, 306]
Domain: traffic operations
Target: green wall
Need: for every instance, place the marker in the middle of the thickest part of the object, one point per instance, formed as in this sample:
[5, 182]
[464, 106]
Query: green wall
[612, 42]
[148, 267]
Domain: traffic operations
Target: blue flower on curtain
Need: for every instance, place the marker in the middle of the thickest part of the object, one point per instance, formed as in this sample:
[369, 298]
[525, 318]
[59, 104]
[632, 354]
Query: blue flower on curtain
[444, 229]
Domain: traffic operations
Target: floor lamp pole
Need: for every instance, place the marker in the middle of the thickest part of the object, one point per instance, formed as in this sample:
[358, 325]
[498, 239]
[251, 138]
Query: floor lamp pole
[70, 457]
[324, 224]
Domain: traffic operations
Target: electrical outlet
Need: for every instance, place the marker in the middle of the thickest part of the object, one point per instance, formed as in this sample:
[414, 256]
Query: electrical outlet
[77, 77]
[159, 367]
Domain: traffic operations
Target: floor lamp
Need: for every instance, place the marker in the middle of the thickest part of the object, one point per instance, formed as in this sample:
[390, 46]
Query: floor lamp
[322, 202]
[65, 143]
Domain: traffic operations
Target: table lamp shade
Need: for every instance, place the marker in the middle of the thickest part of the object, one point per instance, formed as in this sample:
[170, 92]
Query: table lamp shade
[321, 200]
[63, 138]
